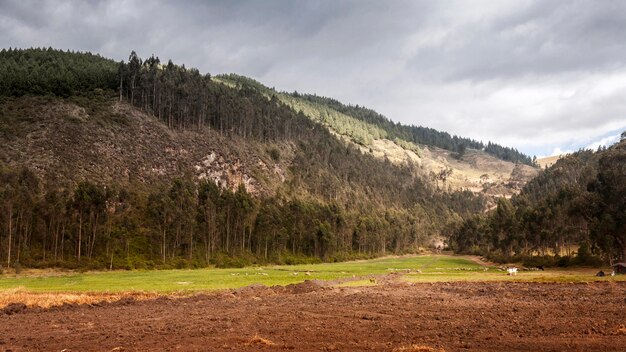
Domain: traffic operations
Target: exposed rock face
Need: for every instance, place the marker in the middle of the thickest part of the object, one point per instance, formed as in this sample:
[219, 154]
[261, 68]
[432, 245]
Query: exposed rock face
[226, 174]
[475, 171]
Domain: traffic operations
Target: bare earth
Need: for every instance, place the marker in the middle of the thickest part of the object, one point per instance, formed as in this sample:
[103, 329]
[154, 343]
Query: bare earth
[392, 316]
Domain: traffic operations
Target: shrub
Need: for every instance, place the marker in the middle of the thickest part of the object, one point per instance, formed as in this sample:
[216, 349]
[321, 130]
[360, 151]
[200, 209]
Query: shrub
[274, 154]
[564, 261]
[295, 259]
[18, 268]
[222, 260]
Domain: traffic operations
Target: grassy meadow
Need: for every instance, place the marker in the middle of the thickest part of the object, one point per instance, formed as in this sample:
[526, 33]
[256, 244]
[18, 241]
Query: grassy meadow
[428, 268]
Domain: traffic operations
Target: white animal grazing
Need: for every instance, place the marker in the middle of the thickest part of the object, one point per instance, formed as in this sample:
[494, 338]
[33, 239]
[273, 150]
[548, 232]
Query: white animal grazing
[512, 271]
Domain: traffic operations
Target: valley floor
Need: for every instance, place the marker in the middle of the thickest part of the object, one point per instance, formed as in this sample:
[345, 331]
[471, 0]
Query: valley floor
[393, 315]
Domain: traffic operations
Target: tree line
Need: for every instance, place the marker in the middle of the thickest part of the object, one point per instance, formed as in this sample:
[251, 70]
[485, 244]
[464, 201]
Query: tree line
[56, 72]
[188, 223]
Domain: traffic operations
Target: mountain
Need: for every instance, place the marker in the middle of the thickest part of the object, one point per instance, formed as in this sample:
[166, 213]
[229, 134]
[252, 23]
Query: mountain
[142, 164]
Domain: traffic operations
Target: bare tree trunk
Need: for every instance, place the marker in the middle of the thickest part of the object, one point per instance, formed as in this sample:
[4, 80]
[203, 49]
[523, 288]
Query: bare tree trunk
[243, 238]
[10, 236]
[80, 233]
[56, 240]
[121, 86]
[62, 242]
[18, 224]
[164, 224]
[45, 239]
[190, 245]
[93, 238]
[227, 228]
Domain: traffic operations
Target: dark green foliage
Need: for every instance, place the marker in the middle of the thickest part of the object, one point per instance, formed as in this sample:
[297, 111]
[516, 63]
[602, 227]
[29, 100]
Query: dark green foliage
[274, 154]
[184, 98]
[460, 151]
[609, 199]
[577, 203]
[56, 72]
[509, 154]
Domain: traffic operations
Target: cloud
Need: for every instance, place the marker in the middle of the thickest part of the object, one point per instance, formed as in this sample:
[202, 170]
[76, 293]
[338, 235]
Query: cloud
[557, 151]
[534, 75]
[603, 142]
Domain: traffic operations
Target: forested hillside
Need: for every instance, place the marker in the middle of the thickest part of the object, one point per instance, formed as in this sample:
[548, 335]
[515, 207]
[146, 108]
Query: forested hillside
[577, 206]
[157, 165]
[364, 125]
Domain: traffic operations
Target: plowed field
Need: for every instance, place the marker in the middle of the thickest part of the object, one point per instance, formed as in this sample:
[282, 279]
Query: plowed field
[313, 316]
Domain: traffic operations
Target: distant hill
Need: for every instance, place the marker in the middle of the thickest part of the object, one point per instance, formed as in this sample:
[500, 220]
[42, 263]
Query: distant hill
[548, 161]
[576, 209]
[448, 162]
[364, 125]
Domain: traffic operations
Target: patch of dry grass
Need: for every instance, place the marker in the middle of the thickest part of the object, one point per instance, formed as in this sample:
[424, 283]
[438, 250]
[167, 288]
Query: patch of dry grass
[47, 300]
[260, 341]
[417, 348]
[548, 161]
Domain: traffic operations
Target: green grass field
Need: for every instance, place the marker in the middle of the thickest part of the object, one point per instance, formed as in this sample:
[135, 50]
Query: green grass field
[416, 269]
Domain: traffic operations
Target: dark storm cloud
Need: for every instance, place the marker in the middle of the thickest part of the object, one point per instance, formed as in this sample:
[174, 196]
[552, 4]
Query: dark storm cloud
[518, 72]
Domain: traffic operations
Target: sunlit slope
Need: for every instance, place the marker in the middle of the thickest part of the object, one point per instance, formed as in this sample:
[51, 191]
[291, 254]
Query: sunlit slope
[473, 169]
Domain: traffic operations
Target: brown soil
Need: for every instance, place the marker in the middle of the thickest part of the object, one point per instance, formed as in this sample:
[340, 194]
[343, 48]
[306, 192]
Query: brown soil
[311, 317]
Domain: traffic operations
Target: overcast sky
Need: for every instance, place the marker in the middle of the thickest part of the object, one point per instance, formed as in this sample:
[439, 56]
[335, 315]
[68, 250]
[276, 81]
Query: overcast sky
[541, 76]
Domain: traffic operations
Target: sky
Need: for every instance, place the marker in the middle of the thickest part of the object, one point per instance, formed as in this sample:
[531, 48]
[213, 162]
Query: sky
[545, 77]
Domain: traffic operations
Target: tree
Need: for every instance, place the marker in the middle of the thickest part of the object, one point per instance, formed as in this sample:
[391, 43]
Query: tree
[121, 72]
[160, 212]
[88, 202]
[208, 198]
[134, 65]
[460, 151]
[612, 210]
[8, 198]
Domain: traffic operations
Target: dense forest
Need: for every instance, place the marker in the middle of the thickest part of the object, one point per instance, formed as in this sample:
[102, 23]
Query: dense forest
[338, 203]
[50, 71]
[190, 223]
[577, 206]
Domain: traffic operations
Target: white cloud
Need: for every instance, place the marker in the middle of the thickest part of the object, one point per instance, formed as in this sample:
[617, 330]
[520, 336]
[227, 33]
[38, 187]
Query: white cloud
[604, 142]
[557, 151]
